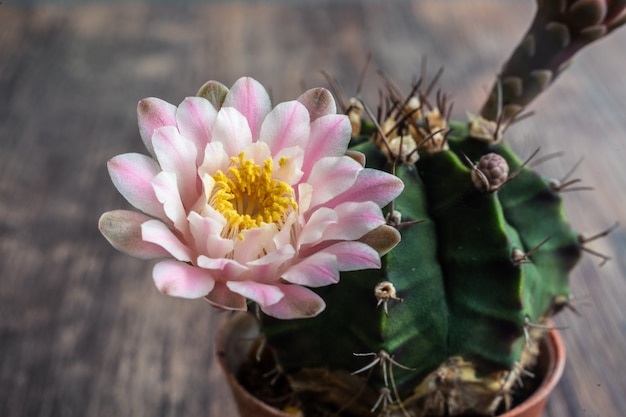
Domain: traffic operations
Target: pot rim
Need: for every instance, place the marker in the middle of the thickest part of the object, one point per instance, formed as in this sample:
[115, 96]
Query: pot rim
[553, 346]
[229, 359]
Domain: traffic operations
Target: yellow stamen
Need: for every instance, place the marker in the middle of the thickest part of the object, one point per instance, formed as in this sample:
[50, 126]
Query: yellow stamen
[248, 196]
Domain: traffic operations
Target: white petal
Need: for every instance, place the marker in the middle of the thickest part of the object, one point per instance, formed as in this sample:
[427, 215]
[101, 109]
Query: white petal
[177, 154]
[165, 187]
[228, 269]
[298, 302]
[132, 175]
[332, 176]
[195, 117]
[206, 233]
[179, 279]
[354, 220]
[232, 130]
[316, 225]
[285, 126]
[262, 294]
[158, 233]
[317, 270]
[353, 256]
[250, 98]
[255, 243]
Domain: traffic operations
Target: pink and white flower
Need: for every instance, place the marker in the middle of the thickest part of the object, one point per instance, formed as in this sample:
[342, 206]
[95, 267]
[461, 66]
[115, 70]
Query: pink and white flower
[245, 201]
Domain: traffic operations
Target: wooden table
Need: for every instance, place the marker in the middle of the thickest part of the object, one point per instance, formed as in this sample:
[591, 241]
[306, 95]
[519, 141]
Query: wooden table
[83, 331]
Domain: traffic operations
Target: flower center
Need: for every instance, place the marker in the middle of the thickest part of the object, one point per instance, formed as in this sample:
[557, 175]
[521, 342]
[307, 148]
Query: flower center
[248, 196]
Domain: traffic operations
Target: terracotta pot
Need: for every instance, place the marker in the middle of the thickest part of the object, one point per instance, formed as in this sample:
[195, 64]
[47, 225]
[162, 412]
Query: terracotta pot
[239, 331]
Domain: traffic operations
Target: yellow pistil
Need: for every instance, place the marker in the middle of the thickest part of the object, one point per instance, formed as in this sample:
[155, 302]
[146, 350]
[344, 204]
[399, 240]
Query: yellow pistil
[248, 196]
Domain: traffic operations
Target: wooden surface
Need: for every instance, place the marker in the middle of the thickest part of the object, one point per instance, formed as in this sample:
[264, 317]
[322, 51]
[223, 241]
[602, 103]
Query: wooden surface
[83, 331]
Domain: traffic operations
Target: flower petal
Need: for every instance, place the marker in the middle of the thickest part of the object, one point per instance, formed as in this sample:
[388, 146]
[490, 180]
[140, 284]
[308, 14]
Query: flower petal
[265, 269]
[262, 294]
[317, 225]
[371, 185]
[215, 158]
[165, 187]
[227, 269]
[288, 164]
[382, 239]
[298, 302]
[331, 176]
[132, 175]
[122, 228]
[352, 256]
[158, 233]
[316, 270]
[195, 118]
[206, 234]
[232, 130]
[319, 102]
[222, 297]
[285, 126]
[329, 137]
[215, 92]
[250, 98]
[179, 279]
[153, 113]
[354, 220]
[177, 154]
[255, 242]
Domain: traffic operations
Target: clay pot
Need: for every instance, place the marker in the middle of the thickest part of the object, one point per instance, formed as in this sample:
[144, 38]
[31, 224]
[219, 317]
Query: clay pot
[239, 331]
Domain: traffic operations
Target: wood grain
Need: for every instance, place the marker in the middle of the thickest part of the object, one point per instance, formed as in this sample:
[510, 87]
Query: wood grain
[83, 332]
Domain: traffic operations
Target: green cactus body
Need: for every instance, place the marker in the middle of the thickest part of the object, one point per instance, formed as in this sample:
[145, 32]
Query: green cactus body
[465, 299]
[483, 257]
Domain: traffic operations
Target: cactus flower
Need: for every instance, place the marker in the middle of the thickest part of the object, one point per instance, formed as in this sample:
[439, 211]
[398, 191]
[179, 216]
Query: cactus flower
[244, 201]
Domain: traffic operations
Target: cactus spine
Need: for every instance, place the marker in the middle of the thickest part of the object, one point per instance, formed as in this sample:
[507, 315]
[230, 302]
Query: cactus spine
[451, 321]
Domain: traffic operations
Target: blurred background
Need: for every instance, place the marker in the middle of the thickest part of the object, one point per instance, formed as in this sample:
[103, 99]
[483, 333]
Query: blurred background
[83, 331]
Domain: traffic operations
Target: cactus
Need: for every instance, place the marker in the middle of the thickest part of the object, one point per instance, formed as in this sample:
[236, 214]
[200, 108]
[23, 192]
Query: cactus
[450, 323]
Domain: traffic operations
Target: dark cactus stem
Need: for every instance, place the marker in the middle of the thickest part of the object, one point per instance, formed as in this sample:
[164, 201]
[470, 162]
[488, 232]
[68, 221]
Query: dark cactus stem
[559, 30]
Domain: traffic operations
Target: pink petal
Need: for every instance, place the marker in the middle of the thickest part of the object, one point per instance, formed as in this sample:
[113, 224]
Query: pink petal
[158, 233]
[177, 154]
[354, 221]
[329, 137]
[298, 302]
[232, 130]
[165, 186]
[371, 185]
[262, 294]
[319, 102]
[332, 176]
[195, 118]
[250, 98]
[122, 228]
[265, 269]
[316, 225]
[153, 113]
[353, 256]
[179, 279]
[224, 298]
[206, 234]
[132, 175]
[285, 126]
[226, 269]
[317, 270]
